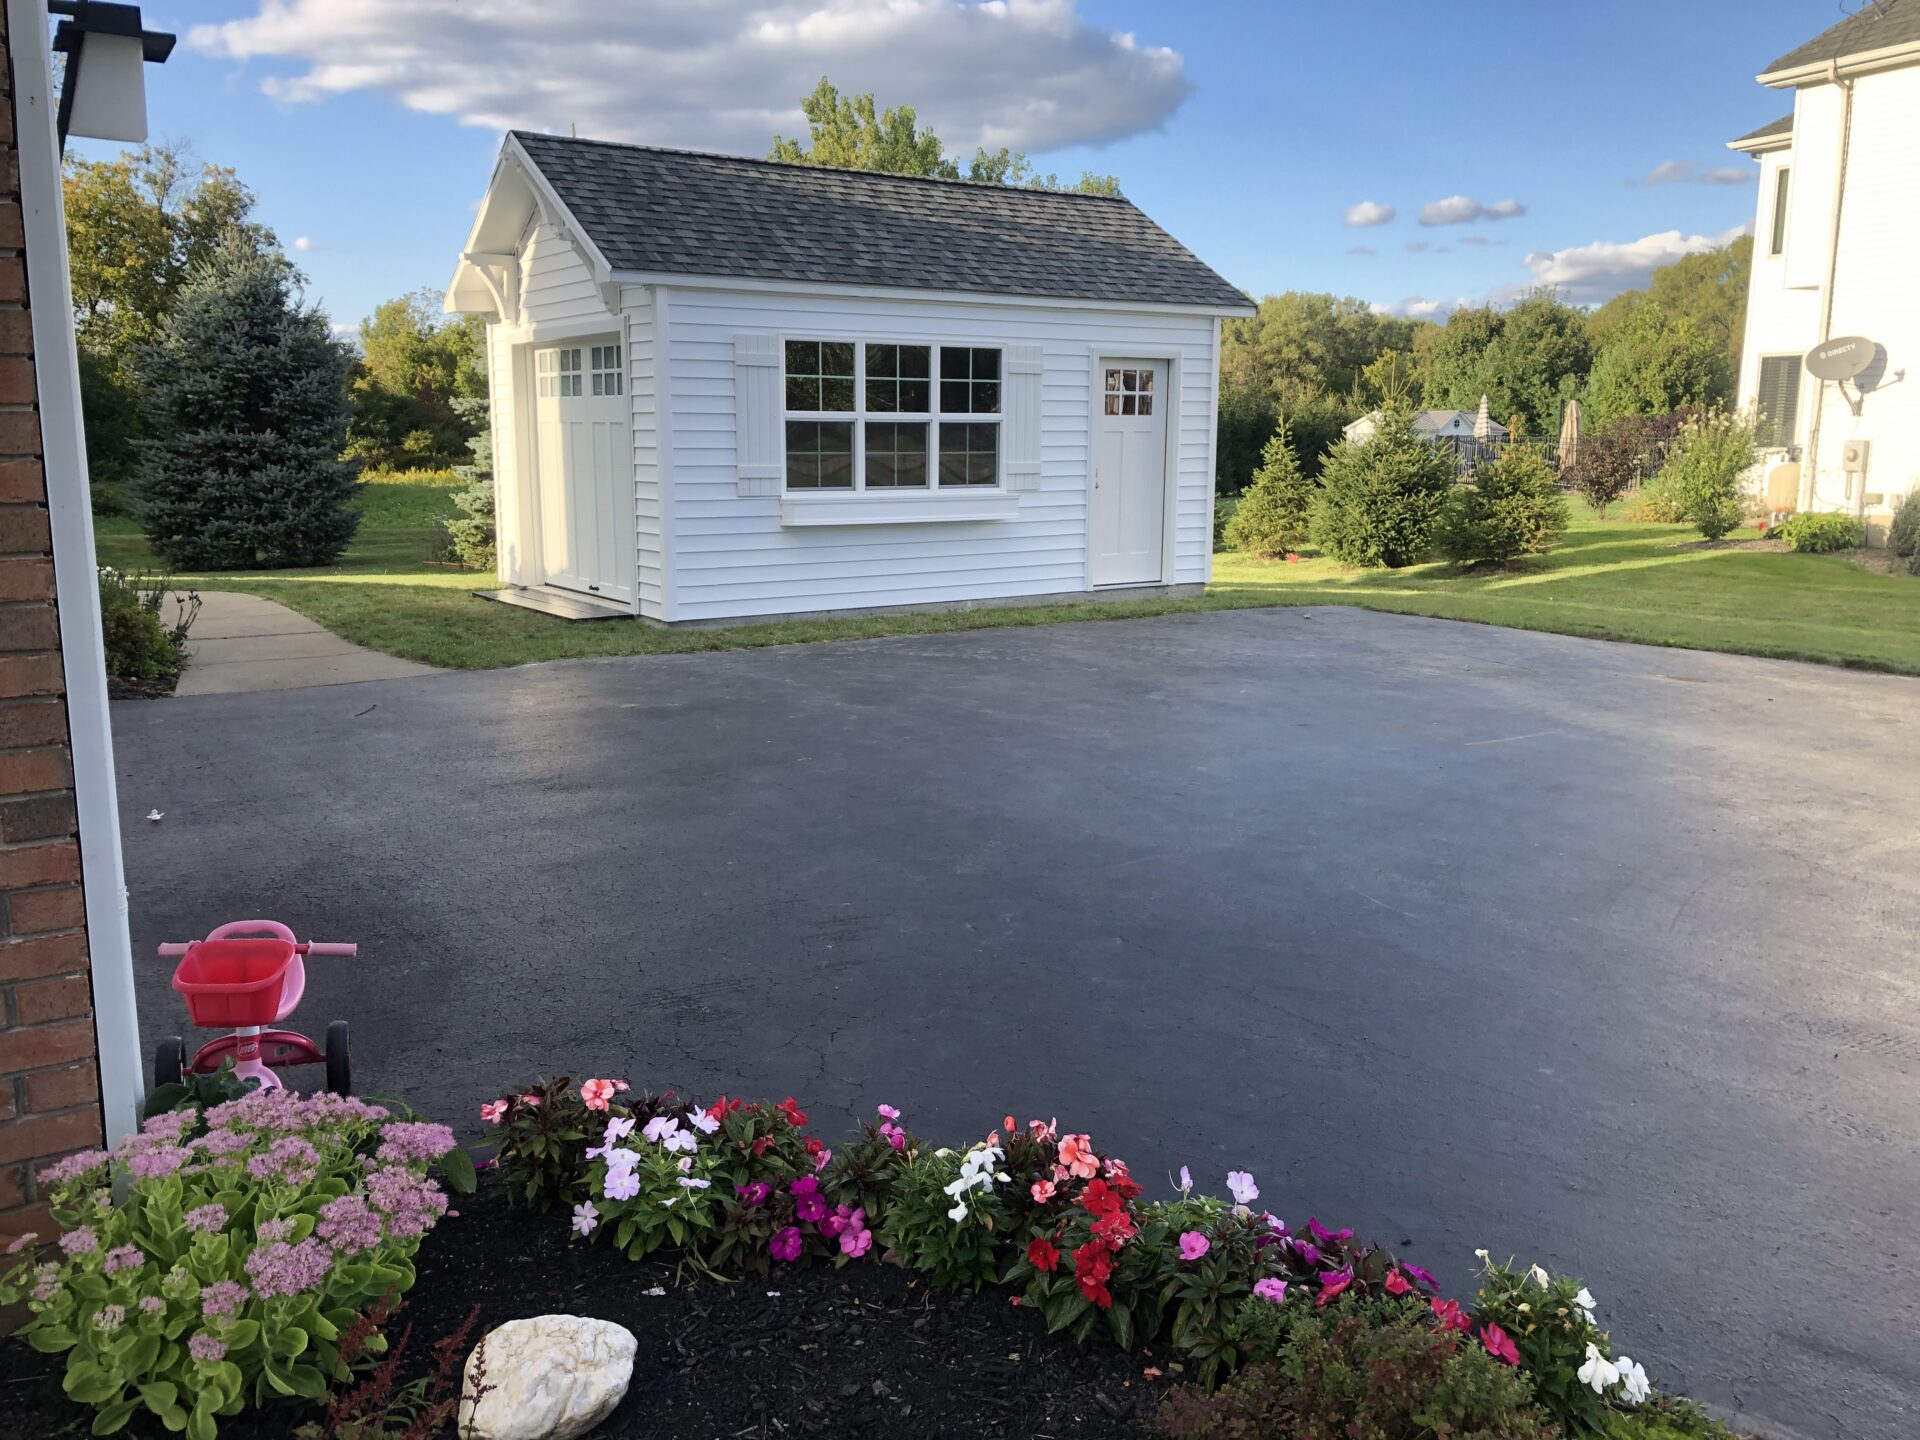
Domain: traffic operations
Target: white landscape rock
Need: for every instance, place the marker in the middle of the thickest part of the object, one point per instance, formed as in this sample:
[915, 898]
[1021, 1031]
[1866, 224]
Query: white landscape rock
[549, 1378]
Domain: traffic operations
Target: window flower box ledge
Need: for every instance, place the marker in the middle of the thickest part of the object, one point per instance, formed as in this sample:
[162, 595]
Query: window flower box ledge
[870, 509]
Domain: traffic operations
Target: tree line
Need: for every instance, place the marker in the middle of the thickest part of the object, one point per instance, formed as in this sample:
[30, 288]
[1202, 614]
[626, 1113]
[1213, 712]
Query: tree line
[1319, 361]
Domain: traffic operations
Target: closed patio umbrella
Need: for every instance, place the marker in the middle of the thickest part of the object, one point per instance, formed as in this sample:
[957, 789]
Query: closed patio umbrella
[1483, 423]
[1569, 434]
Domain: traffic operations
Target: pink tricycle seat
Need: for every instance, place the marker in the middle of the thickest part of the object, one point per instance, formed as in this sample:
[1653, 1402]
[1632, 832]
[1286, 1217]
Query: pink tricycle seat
[238, 982]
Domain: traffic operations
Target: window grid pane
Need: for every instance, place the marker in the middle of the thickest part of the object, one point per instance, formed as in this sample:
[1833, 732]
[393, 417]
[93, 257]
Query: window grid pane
[1128, 392]
[896, 455]
[969, 380]
[819, 455]
[969, 454]
[819, 375]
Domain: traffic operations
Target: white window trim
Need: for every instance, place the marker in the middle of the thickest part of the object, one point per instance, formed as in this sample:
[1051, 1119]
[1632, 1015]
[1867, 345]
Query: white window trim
[859, 417]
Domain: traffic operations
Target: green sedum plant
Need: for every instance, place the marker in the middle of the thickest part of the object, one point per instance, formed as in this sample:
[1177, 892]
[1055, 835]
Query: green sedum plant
[1380, 499]
[244, 1243]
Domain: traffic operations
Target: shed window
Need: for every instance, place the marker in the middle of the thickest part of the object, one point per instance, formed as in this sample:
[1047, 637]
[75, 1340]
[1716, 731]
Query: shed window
[917, 417]
[606, 369]
[1129, 392]
[557, 372]
[1779, 400]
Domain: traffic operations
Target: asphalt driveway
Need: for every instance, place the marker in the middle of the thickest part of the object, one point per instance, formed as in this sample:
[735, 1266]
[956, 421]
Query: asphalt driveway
[1596, 954]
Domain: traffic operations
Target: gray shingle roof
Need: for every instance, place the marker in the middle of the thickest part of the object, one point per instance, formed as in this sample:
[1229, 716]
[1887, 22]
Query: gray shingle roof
[1782, 126]
[683, 212]
[1878, 25]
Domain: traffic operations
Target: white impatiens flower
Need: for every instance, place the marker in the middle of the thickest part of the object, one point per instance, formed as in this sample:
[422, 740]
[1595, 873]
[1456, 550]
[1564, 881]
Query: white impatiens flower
[1483, 1257]
[1586, 1302]
[1599, 1372]
[1540, 1278]
[976, 1173]
[1634, 1388]
[703, 1122]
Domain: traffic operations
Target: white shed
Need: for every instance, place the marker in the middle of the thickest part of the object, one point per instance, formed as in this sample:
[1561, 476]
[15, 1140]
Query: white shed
[726, 388]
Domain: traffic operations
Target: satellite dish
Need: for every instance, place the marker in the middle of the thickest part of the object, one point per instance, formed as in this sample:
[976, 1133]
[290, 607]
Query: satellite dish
[1841, 358]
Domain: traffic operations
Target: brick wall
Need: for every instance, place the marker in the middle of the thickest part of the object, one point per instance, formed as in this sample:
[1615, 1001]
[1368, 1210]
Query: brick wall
[49, 1082]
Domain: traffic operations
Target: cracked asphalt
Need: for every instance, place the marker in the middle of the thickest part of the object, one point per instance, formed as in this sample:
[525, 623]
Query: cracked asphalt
[1598, 955]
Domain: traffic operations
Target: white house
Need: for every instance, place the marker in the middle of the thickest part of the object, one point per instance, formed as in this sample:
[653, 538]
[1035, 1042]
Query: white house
[725, 388]
[1456, 426]
[1834, 262]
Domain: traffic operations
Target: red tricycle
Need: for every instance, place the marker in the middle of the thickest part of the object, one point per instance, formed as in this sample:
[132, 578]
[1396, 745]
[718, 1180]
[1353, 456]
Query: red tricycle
[250, 974]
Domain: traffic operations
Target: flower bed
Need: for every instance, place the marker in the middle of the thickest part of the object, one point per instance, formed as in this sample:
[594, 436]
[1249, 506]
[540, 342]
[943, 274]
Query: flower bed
[1025, 1284]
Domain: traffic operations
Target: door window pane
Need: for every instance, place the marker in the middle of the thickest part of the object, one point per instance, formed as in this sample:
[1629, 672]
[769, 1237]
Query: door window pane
[969, 454]
[819, 455]
[606, 369]
[969, 380]
[896, 455]
[819, 375]
[1129, 392]
[899, 379]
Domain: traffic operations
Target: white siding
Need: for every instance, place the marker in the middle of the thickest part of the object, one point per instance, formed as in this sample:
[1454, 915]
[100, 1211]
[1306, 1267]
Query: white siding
[1874, 292]
[732, 557]
[555, 283]
[642, 384]
[510, 557]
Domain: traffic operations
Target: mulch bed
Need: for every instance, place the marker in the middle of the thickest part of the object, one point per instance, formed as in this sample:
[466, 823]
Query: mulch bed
[867, 1351]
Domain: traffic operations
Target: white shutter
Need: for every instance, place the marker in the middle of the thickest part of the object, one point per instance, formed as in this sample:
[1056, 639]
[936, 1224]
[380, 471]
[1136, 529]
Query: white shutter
[759, 453]
[1022, 424]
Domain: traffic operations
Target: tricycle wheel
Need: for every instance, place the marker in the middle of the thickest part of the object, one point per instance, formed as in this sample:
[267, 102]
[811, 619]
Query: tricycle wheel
[169, 1062]
[339, 1070]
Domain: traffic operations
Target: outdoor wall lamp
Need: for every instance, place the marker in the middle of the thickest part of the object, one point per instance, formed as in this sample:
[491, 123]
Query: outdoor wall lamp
[106, 41]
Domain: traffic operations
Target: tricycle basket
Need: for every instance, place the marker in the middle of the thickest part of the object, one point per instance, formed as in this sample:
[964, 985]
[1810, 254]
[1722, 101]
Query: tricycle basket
[238, 982]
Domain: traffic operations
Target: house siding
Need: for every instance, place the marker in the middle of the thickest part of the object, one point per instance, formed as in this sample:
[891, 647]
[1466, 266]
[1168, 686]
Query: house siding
[1873, 292]
[731, 555]
[643, 385]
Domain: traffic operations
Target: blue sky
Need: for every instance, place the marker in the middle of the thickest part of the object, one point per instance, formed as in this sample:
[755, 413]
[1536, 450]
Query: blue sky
[1250, 130]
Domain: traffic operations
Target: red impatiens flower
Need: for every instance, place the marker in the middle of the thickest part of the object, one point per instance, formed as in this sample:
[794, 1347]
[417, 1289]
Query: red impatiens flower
[1499, 1344]
[1332, 1284]
[1092, 1267]
[722, 1108]
[1449, 1315]
[814, 1145]
[1397, 1284]
[790, 1108]
[1043, 1255]
[1114, 1229]
[1122, 1184]
[762, 1144]
[1100, 1198]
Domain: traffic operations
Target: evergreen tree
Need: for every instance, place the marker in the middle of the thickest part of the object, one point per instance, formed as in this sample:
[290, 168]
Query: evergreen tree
[1380, 498]
[1513, 508]
[470, 535]
[1271, 518]
[245, 396]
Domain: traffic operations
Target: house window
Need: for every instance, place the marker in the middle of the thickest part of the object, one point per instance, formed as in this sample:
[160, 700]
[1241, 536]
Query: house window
[1129, 392]
[1778, 243]
[606, 369]
[1779, 400]
[557, 372]
[890, 417]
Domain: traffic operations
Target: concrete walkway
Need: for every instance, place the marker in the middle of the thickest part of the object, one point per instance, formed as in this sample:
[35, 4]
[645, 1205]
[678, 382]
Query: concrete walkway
[241, 643]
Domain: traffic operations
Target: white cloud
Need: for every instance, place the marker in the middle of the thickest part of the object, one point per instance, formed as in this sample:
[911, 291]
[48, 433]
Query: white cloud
[723, 74]
[1415, 307]
[1464, 210]
[302, 243]
[1415, 247]
[1689, 172]
[1370, 212]
[1589, 274]
[1362, 250]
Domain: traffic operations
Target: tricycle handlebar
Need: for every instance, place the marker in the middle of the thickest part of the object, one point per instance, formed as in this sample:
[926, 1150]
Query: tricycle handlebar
[345, 949]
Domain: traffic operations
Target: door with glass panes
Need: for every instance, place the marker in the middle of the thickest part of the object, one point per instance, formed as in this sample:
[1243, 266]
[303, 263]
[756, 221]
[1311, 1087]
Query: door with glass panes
[584, 468]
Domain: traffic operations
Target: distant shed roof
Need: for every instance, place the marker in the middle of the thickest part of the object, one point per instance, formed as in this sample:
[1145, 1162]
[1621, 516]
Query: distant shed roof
[1776, 130]
[1877, 25]
[682, 212]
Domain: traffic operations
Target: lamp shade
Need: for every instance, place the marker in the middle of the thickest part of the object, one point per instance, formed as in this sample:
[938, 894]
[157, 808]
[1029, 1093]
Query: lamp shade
[109, 88]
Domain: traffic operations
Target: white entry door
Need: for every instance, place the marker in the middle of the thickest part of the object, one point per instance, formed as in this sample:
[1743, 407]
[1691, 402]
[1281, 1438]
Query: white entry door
[1128, 510]
[585, 469]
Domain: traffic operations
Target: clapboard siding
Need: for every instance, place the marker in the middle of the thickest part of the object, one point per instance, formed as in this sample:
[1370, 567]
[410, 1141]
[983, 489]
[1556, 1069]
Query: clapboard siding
[555, 283]
[508, 547]
[643, 386]
[731, 555]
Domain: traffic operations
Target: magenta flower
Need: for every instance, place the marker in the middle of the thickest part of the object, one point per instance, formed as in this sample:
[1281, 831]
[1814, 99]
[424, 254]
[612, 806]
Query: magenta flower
[893, 1135]
[754, 1192]
[808, 1206]
[1425, 1277]
[887, 1112]
[856, 1243]
[1326, 1236]
[786, 1245]
[1307, 1251]
[1271, 1288]
[1193, 1245]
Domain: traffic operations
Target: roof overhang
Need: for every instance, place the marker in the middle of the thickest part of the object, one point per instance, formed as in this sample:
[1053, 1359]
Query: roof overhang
[1891, 57]
[895, 292]
[1758, 145]
[517, 195]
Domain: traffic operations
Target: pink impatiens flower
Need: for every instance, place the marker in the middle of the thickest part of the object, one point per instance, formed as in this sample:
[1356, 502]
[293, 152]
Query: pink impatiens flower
[1076, 1154]
[1499, 1344]
[1043, 1191]
[597, 1093]
[808, 1204]
[494, 1112]
[786, 1245]
[1193, 1245]
[855, 1243]
[585, 1217]
[1240, 1182]
[1396, 1283]
[1271, 1288]
[886, 1112]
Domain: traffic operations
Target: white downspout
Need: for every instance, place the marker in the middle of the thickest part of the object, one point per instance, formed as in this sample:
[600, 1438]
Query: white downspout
[1810, 486]
[63, 445]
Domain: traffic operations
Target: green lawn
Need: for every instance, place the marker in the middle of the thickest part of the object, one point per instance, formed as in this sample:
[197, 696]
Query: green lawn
[1611, 580]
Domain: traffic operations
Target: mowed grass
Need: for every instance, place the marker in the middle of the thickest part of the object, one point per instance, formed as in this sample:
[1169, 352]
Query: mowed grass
[1611, 580]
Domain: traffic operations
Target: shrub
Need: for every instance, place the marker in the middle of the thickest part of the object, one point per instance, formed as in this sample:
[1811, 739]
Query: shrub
[1379, 500]
[1654, 504]
[1513, 508]
[1385, 1374]
[1667, 1417]
[1271, 518]
[1903, 536]
[1610, 460]
[245, 1241]
[1704, 470]
[245, 394]
[470, 536]
[140, 646]
[1815, 533]
[1224, 507]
